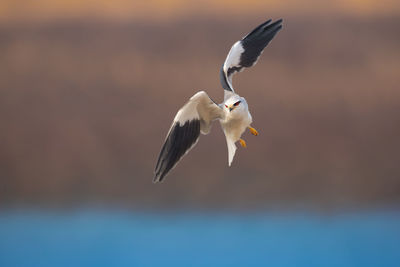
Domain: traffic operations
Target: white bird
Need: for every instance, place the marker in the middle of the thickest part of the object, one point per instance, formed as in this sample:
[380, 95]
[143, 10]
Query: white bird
[196, 116]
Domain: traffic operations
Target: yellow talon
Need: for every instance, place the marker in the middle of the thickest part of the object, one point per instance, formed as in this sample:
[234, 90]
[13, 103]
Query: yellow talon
[253, 131]
[242, 143]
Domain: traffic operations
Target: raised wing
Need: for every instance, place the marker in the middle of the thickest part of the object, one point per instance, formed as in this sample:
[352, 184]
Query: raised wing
[245, 53]
[194, 117]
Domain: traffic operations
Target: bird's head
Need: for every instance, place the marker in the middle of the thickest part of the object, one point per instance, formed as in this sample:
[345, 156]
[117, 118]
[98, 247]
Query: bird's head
[235, 103]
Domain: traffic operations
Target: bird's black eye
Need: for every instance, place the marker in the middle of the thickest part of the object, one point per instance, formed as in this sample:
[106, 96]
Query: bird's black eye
[237, 103]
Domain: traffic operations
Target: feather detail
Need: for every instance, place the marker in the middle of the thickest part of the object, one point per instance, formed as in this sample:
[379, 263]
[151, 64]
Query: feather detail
[231, 149]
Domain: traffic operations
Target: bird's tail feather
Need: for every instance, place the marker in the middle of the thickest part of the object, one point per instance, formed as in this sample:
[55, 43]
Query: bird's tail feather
[231, 149]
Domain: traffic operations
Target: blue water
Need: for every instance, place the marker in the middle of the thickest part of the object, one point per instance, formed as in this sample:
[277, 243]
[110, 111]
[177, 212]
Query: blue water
[94, 238]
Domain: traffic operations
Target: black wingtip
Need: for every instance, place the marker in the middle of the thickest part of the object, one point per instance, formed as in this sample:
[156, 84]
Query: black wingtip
[259, 27]
[275, 26]
[159, 176]
[157, 179]
[159, 172]
[180, 140]
[263, 27]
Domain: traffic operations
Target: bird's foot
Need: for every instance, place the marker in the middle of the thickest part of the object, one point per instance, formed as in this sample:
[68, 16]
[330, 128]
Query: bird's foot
[253, 131]
[242, 143]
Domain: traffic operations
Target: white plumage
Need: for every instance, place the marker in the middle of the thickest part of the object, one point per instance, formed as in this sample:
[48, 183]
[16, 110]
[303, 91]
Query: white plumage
[233, 59]
[197, 115]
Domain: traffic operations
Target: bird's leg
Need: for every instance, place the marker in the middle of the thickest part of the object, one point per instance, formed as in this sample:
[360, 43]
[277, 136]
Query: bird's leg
[253, 131]
[242, 143]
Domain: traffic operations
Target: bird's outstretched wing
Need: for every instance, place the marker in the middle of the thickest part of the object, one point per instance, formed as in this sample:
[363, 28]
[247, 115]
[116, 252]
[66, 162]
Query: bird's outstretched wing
[245, 53]
[194, 117]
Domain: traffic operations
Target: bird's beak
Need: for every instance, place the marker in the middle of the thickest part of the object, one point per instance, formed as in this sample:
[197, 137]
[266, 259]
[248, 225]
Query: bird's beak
[231, 108]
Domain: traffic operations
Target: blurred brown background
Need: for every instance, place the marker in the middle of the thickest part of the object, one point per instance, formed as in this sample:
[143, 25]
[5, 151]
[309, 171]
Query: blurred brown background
[88, 90]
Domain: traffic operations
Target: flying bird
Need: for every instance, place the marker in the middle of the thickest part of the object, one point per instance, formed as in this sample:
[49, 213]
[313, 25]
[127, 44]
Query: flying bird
[200, 111]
